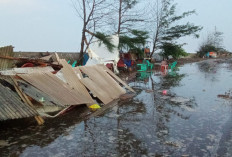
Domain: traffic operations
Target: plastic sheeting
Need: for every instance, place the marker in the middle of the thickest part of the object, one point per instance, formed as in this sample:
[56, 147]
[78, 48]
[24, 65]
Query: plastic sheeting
[99, 54]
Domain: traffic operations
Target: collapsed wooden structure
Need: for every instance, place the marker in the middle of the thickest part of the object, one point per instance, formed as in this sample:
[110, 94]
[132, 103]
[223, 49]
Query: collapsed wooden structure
[24, 90]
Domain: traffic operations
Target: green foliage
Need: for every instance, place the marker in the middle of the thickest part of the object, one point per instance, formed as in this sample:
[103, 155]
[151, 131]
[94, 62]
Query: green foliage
[204, 49]
[167, 28]
[213, 43]
[170, 30]
[178, 31]
[174, 50]
[106, 40]
[134, 41]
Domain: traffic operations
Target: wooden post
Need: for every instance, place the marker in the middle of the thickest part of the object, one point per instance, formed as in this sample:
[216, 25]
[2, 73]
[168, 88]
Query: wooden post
[25, 98]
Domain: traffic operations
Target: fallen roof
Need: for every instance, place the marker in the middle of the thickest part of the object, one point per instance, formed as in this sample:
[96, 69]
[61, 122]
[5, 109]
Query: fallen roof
[57, 89]
[103, 83]
[38, 95]
[72, 78]
[11, 106]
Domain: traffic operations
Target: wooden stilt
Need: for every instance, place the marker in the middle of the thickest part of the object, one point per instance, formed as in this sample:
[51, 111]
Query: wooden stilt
[25, 98]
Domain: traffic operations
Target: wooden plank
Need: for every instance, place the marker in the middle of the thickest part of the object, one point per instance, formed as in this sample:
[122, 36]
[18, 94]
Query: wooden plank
[96, 90]
[117, 78]
[22, 95]
[111, 81]
[73, 80]
[37, 94]
[72, 91]
[24, 100]
[100, 80]
[39, 119]
[54, 87]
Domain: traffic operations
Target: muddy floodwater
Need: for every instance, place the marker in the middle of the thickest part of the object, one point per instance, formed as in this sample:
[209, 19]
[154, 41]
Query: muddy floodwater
[188, 120]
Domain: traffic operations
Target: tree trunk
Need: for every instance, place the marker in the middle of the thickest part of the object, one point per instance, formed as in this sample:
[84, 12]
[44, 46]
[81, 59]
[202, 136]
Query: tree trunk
[119, 17]
[83, 35]
[82, 47]
[154, 43]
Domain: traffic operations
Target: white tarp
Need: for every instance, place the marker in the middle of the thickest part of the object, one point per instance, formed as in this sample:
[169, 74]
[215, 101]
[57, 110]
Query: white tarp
[99, 54]
[26, 70]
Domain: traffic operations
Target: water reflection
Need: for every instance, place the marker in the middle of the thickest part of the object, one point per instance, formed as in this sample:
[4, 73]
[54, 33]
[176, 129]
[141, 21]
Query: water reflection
[187, 121]
[172, 80]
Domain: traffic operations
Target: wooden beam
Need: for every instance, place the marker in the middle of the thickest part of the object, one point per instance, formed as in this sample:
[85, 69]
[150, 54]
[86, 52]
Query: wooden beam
[25, 98]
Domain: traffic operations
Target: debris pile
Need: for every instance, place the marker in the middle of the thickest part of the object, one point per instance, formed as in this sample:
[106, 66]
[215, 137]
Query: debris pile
[42, 83]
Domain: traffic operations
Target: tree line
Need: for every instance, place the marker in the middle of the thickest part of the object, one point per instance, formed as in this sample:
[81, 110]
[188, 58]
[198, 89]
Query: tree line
[135, 22]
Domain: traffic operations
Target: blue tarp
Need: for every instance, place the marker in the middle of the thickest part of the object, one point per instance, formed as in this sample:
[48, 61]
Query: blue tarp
[127, 62]
[86, 58]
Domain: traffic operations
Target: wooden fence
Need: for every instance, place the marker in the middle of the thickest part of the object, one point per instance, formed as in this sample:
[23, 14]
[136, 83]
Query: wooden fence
[6, 63]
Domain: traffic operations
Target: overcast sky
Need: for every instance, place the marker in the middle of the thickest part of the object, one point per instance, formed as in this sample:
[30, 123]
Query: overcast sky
[52, 25]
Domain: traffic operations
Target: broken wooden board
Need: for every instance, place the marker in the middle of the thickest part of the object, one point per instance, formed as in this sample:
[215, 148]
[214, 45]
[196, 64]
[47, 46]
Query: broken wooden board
[103, 82]
[71, 77]
[116, 77]
[57, 89]
[97, 90]
[38, 95]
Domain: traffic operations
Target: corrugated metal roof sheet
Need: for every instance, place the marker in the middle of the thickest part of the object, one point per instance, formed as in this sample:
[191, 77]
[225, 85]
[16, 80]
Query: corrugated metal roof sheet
[57, 89]
[38, 95]
[11, 106]
[102, 80]
[72, 77]
[6, 51]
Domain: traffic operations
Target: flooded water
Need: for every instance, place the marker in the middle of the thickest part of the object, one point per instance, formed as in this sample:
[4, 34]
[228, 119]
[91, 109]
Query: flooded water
[190, 120]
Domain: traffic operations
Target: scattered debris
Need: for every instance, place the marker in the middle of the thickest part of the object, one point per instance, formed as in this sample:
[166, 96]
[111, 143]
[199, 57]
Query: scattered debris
[179, 100]
[95, 106]
[99, 54]
[42, 90]
[227, 95]
[126, 96]
[164, 92]
[12, 107]
[149, 90]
